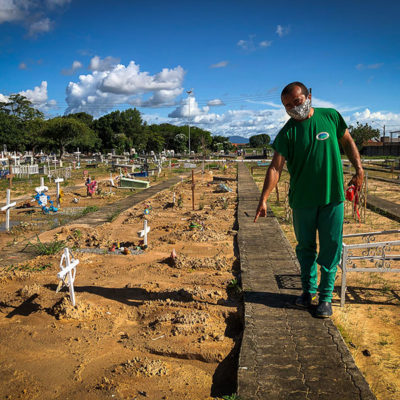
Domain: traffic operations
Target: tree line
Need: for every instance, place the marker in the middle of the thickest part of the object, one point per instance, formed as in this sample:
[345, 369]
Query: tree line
[23, 127]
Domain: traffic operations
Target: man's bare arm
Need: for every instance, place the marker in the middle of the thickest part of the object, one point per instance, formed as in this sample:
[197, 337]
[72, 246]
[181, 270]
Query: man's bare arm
[271, 179]
[353, 155]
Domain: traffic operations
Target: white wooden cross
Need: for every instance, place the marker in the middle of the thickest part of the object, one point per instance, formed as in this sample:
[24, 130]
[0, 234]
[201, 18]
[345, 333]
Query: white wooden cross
[7, 207]
[41, 188]
[70, 270]
[111, 182]
[58, 181]
[143, 233]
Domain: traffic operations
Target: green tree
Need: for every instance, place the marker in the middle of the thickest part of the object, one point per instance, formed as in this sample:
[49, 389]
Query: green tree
[65, 131]
[180, 143]
[259, 140]
[83, 117]
[20, 107]
[221, 143]
[362, 133]
[155, 142]
[20, 123]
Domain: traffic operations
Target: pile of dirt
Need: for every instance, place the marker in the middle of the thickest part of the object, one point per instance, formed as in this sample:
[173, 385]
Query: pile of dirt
[218, 263]
[29, 290]
[144, 366]
[64, 310]
[85, 237]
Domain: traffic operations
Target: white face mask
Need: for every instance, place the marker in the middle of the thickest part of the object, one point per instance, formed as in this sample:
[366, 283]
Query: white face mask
[300, 112]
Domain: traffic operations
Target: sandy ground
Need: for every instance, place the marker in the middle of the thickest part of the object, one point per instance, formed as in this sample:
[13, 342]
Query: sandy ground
[145, 326]
[370, 320]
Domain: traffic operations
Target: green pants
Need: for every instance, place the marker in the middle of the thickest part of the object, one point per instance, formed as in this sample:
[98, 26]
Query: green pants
[328, 221]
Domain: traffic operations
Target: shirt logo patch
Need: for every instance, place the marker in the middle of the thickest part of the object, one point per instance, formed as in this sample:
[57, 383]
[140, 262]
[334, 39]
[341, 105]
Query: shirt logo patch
[322, 136]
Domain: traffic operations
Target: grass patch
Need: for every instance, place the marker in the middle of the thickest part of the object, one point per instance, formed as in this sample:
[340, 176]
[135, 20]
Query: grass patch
[233, 396]
[345, 334]
[26, 267]
[89, 209]
[113, 216]
[46, 249]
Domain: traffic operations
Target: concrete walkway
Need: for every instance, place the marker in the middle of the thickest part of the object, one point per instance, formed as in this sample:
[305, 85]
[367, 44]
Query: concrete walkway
[286, 353]
[384, 207]
[105, 213]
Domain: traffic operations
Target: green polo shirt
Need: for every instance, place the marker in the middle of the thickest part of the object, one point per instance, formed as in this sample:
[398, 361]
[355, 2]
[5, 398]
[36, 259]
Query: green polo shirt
[312, 152]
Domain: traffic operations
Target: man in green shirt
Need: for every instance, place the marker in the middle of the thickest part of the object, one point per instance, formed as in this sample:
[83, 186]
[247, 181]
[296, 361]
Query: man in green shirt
[309, 143]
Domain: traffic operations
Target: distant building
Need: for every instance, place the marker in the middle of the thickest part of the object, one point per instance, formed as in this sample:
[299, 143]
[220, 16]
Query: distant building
[387, 146]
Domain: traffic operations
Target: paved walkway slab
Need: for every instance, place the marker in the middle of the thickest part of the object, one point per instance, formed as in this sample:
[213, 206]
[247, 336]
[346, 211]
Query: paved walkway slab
[384, 207]
[286, 353]
[104, 214]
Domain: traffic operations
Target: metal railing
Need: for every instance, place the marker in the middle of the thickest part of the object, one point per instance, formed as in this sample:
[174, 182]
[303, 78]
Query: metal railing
[373, 256]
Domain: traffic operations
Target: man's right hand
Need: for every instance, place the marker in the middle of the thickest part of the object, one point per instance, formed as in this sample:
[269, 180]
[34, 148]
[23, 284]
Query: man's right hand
[261, 210]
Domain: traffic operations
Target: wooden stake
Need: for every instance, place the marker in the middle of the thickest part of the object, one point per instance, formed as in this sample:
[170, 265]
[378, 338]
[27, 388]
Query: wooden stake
[193, 186]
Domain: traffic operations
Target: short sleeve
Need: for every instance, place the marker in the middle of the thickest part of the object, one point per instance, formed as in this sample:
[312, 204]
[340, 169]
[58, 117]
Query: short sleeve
[341, 125]
[281, 144]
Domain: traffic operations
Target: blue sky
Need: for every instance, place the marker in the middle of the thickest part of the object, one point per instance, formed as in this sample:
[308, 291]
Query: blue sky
[98, 56]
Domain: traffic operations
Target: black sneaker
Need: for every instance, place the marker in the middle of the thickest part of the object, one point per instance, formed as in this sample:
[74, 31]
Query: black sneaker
[305, 300]
[324, 309]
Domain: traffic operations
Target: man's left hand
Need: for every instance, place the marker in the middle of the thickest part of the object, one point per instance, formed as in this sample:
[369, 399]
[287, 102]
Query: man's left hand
[357, 179]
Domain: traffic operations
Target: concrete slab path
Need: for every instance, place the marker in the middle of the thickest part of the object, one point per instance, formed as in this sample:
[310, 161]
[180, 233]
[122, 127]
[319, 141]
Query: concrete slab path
[286, 353]
[384, 207]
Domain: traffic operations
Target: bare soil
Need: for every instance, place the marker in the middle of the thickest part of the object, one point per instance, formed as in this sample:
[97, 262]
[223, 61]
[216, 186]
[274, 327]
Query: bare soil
[145, 326]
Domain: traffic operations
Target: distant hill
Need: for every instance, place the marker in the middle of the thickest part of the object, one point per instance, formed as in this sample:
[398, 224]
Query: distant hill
[238, 139]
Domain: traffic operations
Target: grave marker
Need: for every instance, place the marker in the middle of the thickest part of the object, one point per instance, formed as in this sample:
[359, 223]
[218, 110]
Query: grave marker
[10, 176]
[143, 233]
[146, 230]
[58, 181]
[70, 270]
[193, 186]
[7, 207]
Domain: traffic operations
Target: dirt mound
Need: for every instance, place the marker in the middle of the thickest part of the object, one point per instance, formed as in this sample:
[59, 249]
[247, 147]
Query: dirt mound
[145, 367]
[85, 237]
[218, 263]
[64, 310]
[29, 291]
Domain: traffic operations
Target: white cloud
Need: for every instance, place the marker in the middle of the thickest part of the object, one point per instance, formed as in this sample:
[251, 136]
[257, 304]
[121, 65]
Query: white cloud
[215, 102]
[29, 13]
[249, 45]
[267, 103]
[74, 67]
[57, 3]
[102, 90]
[244, 44]
[265, 43]
[22, 65]
[369, 66]
[38, 97]
[381, 117]
[282, 30]
[97, 64]
[220, 64]
[3, 99]
[247, 122]
[322, 103]
[233, 122]
[13, 10]
[42, 26]
[189, 108]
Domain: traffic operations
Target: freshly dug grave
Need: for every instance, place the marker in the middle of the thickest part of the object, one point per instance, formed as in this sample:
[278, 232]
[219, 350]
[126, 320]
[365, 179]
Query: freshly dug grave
[145, 326]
